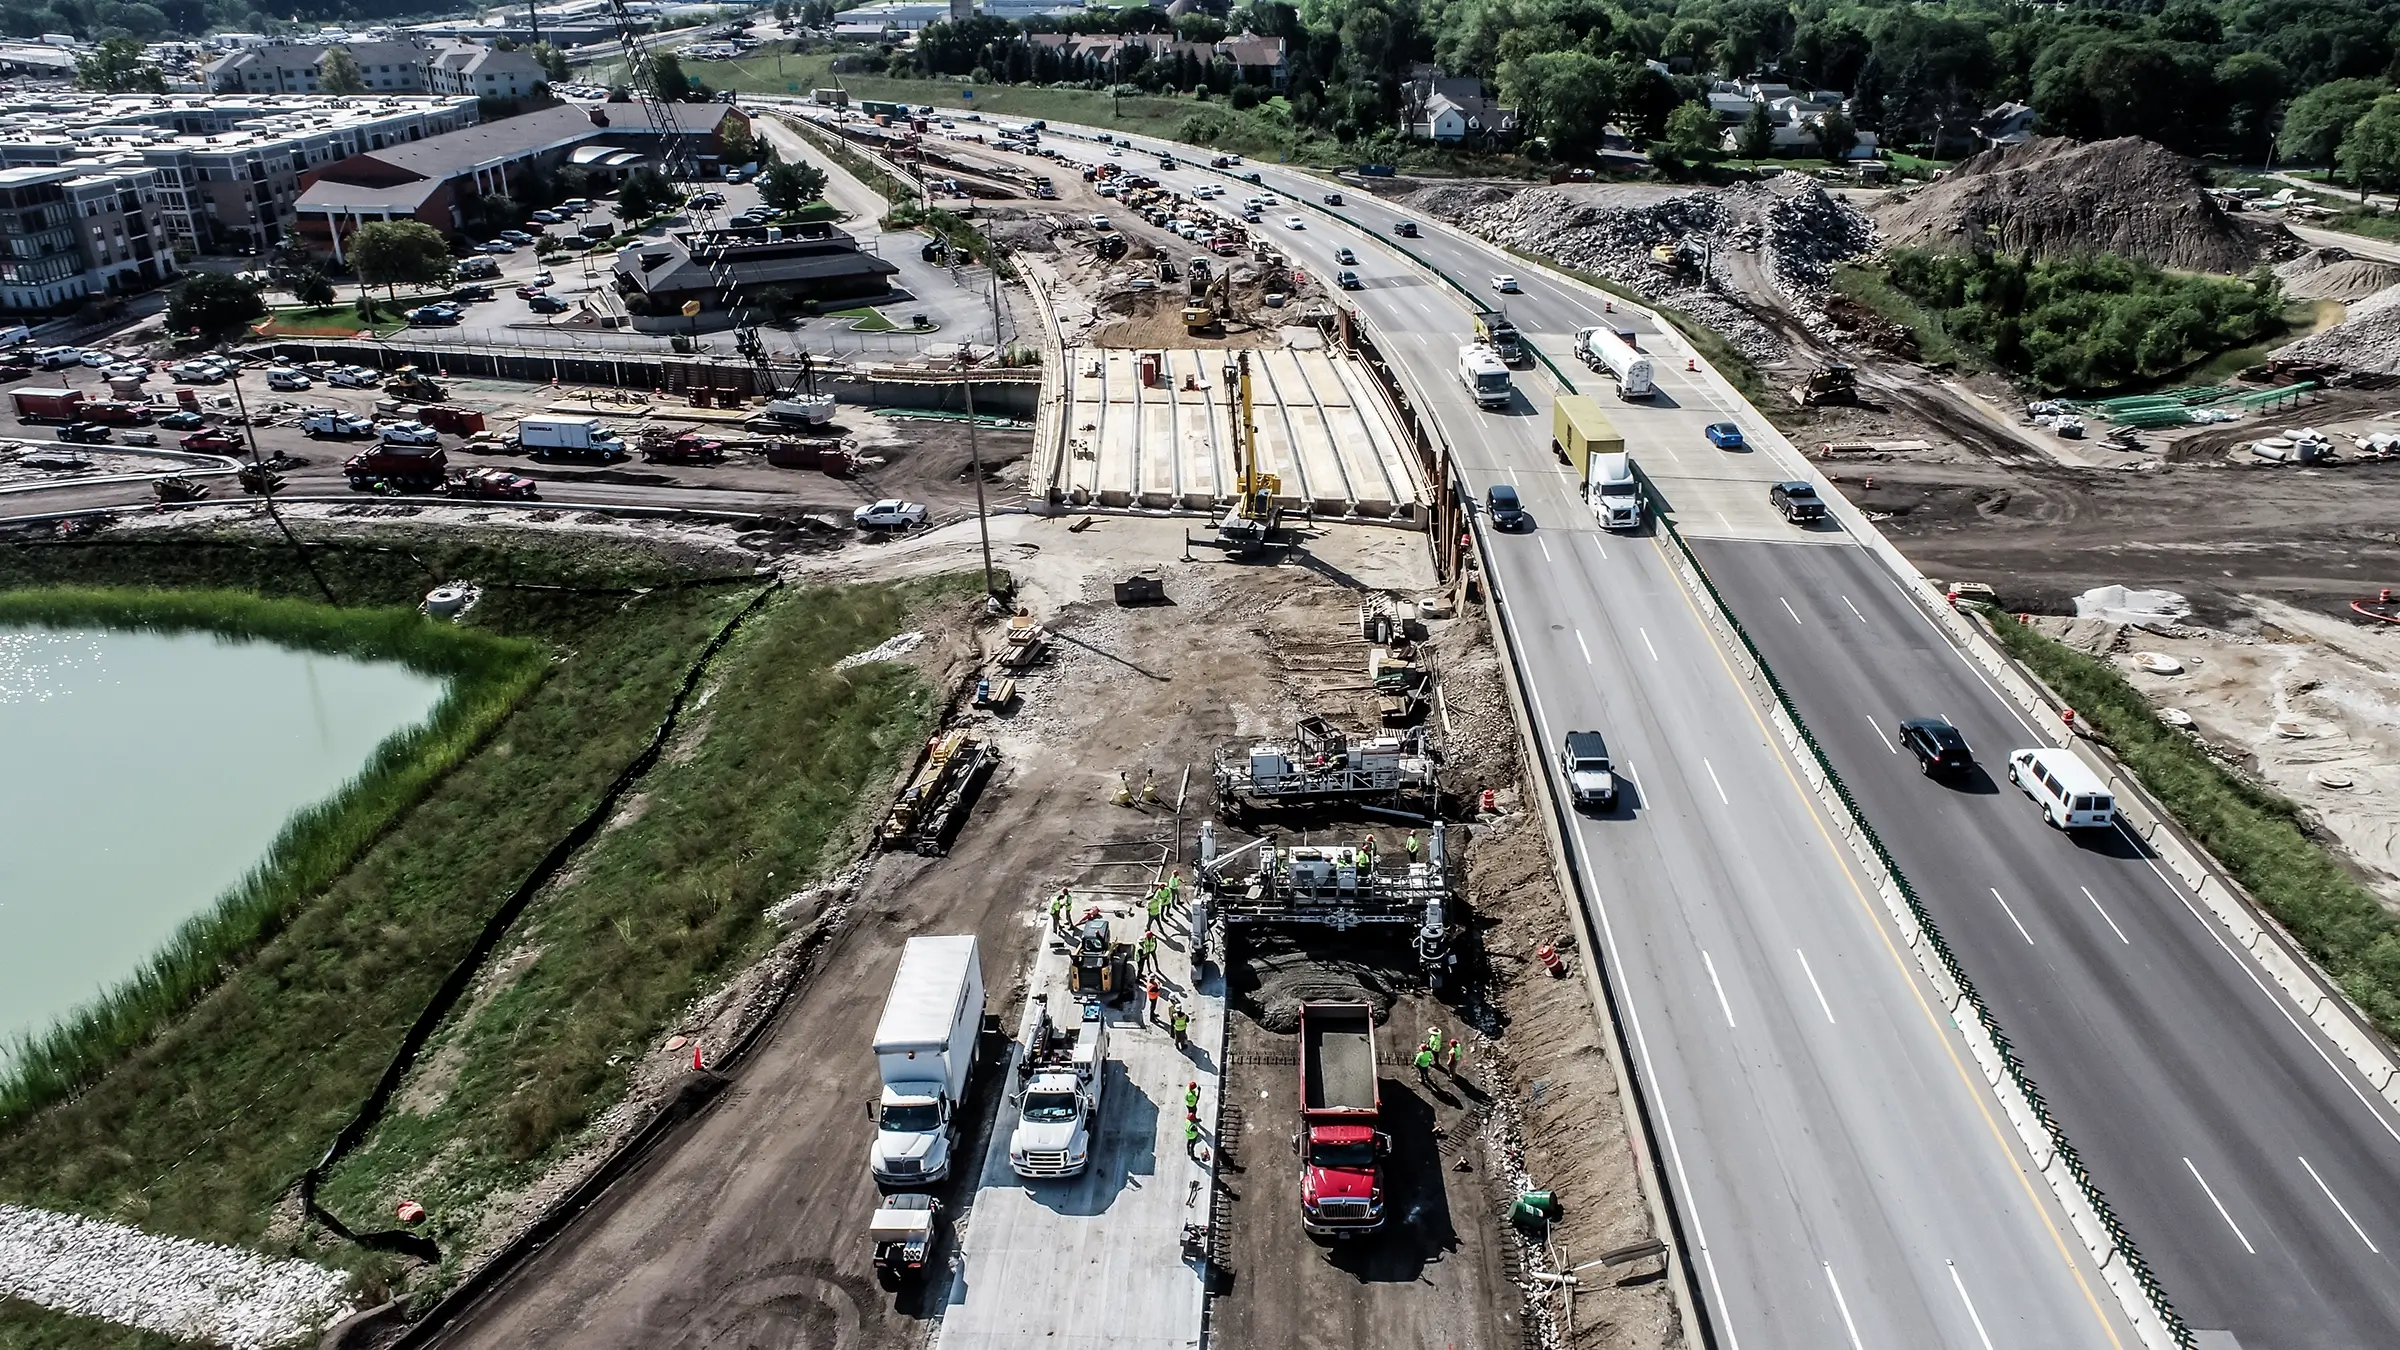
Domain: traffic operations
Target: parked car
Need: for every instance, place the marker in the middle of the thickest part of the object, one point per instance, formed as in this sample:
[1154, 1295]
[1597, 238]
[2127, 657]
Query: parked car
[528, 292]
[353, 377]
[85, 431]
[1506, 511]
[471, 294]
[433, 316]
[543, 278]
[58, 358]
[126, 370]
[93, 356]
[546, 304]
[1504, 283]
[1798, 502]
[287, 379]
[1100, 223]
[544, 217]
[1938, 746]
[495, 246]
[334, 422]
[182, 421]
[409, 433]
[1724, 435]
[516, 236]
[492, 483]
[213, 439]
[198, 372]
[889, 514]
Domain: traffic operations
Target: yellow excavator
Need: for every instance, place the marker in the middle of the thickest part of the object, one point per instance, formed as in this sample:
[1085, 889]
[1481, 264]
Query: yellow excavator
[1254, 514]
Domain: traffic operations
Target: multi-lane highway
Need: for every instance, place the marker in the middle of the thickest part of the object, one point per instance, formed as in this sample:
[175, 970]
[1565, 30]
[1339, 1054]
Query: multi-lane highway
[1842, 1171]
[1812, 1125]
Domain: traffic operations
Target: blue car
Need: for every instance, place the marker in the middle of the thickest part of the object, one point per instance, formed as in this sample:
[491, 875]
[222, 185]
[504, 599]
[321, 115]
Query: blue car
[1724, 435]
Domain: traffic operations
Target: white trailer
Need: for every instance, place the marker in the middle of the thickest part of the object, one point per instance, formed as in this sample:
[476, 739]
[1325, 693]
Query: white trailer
[925, 1047]
[1604, 349]
[1485, 375]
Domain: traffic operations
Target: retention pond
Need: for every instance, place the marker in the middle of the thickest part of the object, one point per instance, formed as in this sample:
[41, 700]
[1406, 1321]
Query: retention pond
[146, 773]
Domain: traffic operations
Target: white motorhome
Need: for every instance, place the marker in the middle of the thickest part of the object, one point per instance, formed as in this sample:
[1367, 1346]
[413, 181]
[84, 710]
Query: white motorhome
[925, 1047]
[2071, 796]
[1485, 375]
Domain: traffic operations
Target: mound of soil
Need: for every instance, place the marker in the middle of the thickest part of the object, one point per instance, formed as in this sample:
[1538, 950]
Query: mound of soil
[2336, 274]
[2056, 196]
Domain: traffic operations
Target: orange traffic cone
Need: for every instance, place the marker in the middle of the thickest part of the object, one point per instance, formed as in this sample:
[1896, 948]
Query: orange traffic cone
[1690, 363]
[1548, 956]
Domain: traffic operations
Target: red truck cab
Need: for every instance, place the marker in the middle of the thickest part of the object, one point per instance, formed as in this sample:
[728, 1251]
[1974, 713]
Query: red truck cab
[1341, 1150]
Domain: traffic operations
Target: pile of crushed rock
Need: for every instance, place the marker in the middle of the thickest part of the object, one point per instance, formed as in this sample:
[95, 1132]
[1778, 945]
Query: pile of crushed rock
[175, 1287]
[2368, 341]
[1791, 225]
[2336, 274]
[2055, 196]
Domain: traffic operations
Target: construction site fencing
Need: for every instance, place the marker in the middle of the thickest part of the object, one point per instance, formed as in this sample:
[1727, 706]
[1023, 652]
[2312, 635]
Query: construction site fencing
[462, 976]
[2062, 1149]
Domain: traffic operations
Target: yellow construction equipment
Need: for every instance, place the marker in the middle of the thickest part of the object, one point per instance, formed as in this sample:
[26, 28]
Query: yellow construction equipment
[929, 809]
[1254, 514]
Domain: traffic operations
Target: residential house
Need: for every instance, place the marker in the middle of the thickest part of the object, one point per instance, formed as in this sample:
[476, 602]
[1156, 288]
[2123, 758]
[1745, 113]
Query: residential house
[2008, 124]
[485, 72]
[1449, 109]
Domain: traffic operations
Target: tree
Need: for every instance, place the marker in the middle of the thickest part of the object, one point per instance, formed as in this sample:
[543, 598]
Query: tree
[1692, 134]
[666, 75]
[213, 306]
[783, 10]
[338, 73]
[313, 289]
[2252, 84]
[787, 187]
[389, 253]
[554, 63]
[2314, 124]
[1562, 95]
[737, 144]
[118, 66]
[1835, 135]
[646, 192]
[2370, 150]
[1758, 132]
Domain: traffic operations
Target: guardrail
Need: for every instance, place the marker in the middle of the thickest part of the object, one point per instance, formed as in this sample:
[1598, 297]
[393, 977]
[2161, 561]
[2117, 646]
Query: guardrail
[2169, 1325]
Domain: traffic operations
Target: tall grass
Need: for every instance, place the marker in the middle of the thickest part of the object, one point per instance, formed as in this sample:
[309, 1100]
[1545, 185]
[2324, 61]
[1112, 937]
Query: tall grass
[2257, 834]
[486, 676]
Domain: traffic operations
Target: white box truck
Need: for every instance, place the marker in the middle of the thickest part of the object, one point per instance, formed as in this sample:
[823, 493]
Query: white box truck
[569, 438]
[1603, 349]
[925, 1046]
[1484, 374]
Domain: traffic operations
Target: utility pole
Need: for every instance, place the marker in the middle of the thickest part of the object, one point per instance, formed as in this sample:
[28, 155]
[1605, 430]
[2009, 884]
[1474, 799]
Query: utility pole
[267, 484]
[983, 520]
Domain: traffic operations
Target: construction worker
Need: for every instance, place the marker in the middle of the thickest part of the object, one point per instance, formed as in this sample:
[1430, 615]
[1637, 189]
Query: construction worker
[1453, 1065]
[1149, 951]
[1191, 1137]
[1179, 1023]
[1412, 846]
[1059, 905]
[1151, 1016]
[1174, 888]
[1191, 1099]
[1433, 1039]
[1424, 1063]
[1158, 903]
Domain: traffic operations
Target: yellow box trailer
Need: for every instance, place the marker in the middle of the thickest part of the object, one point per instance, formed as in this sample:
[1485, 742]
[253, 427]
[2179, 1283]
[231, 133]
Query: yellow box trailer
[1579, 431]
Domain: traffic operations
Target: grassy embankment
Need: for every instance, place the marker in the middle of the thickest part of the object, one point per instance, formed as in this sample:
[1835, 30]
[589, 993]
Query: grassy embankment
[2256, 834]
[1706, 341]
[201, 1130]
[779, 782]
[1869, 287]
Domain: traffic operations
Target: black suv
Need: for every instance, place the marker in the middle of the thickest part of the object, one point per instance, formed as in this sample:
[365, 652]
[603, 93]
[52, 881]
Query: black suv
[1506, 511]
[1798, 502]
[1937, 745]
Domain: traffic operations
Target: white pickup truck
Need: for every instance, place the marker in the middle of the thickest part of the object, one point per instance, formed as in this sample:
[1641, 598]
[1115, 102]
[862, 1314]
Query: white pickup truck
[1058, 1114]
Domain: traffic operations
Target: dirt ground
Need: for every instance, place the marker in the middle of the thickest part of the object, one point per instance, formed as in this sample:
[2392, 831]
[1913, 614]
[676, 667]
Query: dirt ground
[2307, 704]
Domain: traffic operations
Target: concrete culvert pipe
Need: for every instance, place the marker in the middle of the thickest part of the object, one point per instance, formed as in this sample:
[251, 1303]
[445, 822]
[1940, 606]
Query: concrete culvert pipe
[446, 602]
[2158, 663]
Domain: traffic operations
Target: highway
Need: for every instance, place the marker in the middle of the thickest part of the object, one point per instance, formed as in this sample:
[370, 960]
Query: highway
[2250, 1160]
[1846, 1178]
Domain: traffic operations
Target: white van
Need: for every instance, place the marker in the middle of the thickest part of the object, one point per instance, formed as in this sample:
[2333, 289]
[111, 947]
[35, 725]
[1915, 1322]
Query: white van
[2070, 794]
[14, 334]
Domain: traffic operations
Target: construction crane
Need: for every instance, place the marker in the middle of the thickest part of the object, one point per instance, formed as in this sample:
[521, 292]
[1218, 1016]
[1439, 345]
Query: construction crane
[1254, 514]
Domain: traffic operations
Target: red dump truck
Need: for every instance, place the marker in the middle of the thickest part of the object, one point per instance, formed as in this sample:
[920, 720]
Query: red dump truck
[48, 405]
[1341, 1151]
[399, 468]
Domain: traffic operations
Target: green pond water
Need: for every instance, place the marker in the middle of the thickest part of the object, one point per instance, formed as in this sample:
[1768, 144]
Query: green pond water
[142, 774]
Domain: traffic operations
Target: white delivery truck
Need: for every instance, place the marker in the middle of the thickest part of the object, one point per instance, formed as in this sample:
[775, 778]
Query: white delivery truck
[1603, 349]
[925, 1046]
[1058, 1116]
[569, 438]
[1484, 374]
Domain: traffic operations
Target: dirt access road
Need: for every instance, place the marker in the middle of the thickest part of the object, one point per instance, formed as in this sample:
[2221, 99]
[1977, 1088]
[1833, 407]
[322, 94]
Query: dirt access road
[745, 1227]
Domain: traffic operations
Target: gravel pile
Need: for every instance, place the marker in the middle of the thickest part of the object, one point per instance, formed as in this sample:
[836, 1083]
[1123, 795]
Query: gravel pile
[193, 1291]
[2055, 196]
[1793, 229]
[2336, 274]
[2368, 341]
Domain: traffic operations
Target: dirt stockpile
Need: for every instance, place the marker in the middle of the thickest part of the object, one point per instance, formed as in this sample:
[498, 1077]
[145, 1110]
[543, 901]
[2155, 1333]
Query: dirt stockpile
[1782, 236]
[2367, 341]
[2336, 274]
[2056, 196]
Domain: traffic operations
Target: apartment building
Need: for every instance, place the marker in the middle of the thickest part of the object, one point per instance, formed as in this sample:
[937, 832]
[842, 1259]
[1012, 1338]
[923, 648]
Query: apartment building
[405, 65]
[74, 231]
[229, 168]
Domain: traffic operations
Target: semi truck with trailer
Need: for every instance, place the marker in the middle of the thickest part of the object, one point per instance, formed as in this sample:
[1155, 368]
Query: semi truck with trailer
[1604, 349]
[1493, 329]
[925, 1047]
[1341, 1103]
[1485, 375]
[1587, 442]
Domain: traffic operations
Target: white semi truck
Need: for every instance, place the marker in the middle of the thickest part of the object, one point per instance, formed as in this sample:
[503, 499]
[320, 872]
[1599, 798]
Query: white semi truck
[1603, 349]
[925, 1046]
[1058, 1117]
[1485, 375]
